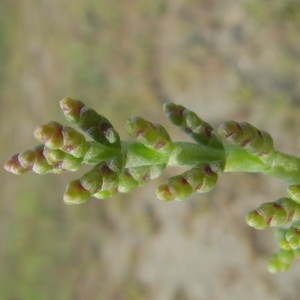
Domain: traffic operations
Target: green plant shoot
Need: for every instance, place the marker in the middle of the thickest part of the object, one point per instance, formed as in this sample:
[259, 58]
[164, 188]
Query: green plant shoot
[120, 166]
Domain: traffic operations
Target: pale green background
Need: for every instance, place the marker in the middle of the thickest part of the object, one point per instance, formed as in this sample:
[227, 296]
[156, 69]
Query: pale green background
[224, 59]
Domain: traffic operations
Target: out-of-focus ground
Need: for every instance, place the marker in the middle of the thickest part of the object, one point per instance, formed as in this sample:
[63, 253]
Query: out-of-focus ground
[224, 59]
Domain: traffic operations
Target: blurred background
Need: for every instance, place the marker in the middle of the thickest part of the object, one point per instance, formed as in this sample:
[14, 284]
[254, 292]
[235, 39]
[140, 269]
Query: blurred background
[224, 59]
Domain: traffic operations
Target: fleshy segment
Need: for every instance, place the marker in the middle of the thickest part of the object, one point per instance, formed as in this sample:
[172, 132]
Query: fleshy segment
[153, 136]
[42, 160]
[92, 123]
[67, 139]
[289, 243]
[281, 212]
[282, 260]
[109, 178]
[191, 124]
[289, 238]
[273, 214]
[247, 136]
[200, 179]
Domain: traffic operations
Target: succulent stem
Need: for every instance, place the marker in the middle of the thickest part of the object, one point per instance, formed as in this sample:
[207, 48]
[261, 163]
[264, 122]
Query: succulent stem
[119, 166]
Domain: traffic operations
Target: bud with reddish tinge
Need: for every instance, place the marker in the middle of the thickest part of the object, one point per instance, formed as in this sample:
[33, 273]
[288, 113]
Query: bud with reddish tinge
[245, 135]
[87, 119]
[200, 179]
[190, 123]
[272, 214]
[65, 138]
[29, 160]
[153, 136]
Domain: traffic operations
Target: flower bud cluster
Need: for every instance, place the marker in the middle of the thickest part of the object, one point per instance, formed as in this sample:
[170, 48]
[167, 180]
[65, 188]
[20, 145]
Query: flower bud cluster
[153, 136]
[282, 260]
[191, 124]
[56, 136]
[42, 160]
[92, 123]
[281, 212]
[289, 238]
[200, 179]
[273, 214]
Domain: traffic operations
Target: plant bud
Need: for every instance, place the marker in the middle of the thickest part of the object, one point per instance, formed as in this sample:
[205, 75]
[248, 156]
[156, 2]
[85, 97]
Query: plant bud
[71, 109]
[190, 123]
[200, 179]
[293, 237]
[281, 237]
[281, 261]
[94, 124]
[65, 138]
[153, 136]
[41, 165]
[177, 188]
[92, 180]
[50, 134]
[110, 181]
[74, 143]
[62, 160]
[273, 214]
[126, 182]
[247, 136]
[76, 193]
[294, 192]
[14, 166]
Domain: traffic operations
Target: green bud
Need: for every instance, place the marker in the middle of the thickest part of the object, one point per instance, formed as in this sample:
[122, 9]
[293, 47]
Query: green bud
[281, 261]
[200, 179]
[143, 174]
[231, 131]
[94, 124]
[294, 192]
[41, 165]
[106, 194]
[126, 182]
[174, 112]
[177, 186]
[74, 143]
[14, 166]
[65, 138]
[71, 109]
[110, 181]
[255, 220]
[27, 158]
[190, 123]
[50, 134]
[286, 256]
[92, 180]
[61, 160]
[166, 193]
[292, 235]
[247, 136]
[272, 214]
[268, 144]
[30, 160]
[281, 237]
[210, 176]
[291, 207]
[76, 193]
[153, 136]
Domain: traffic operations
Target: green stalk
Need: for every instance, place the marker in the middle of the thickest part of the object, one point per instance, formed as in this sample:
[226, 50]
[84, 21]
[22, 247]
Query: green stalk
[276, 164]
